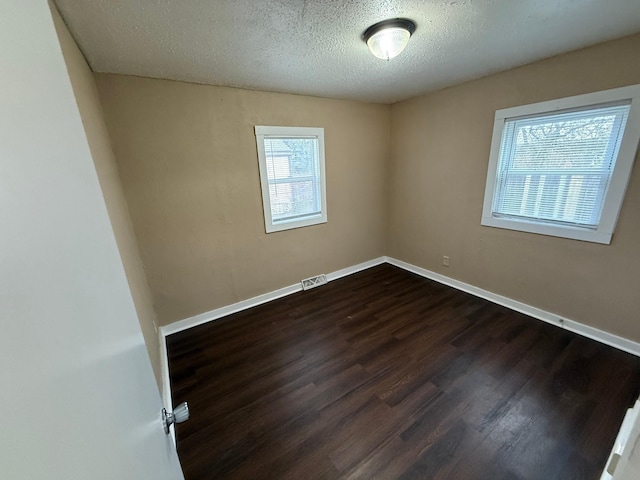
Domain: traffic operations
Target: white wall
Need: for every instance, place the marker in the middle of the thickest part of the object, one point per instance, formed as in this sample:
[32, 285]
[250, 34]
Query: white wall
[77, 392]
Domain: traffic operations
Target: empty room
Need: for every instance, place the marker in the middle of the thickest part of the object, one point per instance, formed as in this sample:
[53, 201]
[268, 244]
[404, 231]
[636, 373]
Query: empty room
[320, 239]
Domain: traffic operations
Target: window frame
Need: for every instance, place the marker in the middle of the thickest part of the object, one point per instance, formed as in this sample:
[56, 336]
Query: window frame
[262, 132]
[620, 176]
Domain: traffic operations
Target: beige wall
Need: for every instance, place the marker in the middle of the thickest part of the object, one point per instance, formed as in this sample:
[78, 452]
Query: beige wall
[188, 163]
[187, 159]
[84, 89]
[439, 157]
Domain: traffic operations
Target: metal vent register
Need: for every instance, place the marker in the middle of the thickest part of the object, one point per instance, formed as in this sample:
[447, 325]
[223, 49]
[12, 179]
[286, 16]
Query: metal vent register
[313, 282]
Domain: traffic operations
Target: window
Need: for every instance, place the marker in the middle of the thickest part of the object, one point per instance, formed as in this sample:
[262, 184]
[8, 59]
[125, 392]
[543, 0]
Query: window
[292, 176]
[561, 168]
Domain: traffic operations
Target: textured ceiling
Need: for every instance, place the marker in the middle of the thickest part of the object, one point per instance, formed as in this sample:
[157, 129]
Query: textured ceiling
[313, 47]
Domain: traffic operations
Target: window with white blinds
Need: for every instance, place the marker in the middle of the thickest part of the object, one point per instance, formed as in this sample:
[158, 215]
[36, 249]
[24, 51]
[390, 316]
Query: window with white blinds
[560, 168]
[291, 161]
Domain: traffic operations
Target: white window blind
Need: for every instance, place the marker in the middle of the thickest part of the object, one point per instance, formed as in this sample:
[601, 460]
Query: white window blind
[557, 167]
[291, 161]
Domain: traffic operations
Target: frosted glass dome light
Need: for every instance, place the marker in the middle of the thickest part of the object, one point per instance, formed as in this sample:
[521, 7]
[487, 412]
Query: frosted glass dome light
[388, 38]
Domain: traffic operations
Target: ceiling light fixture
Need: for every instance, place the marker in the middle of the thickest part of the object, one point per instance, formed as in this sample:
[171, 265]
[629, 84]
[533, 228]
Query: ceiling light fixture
[388, 38]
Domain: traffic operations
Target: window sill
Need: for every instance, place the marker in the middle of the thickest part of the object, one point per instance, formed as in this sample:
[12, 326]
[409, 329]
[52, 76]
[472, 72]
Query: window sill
[297, 223]
[562, 231]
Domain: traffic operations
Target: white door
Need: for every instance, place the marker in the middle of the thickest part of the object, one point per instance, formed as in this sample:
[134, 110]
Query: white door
[78, 399]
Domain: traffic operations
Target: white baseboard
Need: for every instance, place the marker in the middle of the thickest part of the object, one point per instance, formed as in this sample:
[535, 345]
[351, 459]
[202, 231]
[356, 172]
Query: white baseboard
[212, 315]
[601, 336]
[355, 269]
[607, 338]
[206, 317]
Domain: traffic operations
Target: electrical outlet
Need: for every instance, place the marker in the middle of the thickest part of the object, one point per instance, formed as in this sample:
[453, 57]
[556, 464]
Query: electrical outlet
[445, 260]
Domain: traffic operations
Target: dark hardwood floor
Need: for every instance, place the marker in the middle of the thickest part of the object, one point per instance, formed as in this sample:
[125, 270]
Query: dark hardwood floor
[384, 375]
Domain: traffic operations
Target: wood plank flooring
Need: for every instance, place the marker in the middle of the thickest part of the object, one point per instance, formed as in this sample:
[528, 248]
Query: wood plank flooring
[385, 375]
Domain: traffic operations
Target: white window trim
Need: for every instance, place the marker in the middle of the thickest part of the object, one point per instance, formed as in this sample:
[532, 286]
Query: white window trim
[286, 132]
[619, 179]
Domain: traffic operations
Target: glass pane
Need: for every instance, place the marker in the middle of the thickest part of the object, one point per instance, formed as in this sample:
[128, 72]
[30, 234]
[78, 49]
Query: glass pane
[293, 174]
[557, 167]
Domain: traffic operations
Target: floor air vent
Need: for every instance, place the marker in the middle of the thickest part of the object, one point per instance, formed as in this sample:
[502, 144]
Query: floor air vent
[313, 282]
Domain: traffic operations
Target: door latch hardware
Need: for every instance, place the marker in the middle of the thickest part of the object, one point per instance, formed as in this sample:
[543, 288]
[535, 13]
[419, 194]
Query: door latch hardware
[180, 414]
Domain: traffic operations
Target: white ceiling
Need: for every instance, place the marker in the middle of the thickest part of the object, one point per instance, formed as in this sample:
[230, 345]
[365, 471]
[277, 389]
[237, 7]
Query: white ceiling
[314, 47]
